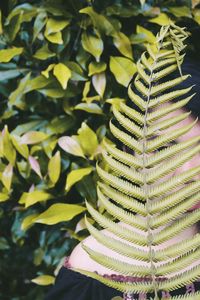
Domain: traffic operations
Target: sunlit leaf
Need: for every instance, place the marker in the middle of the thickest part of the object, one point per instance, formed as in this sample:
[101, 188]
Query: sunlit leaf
[88, 139]
[71, 146]
[28, 221]
[59, 212]
[92, 108]
[30, 198]
[62, 73]
[161, 20]
[39, 24]
[35, 165]
[7, 175]
[92, 44]
[3, 197]
[96, 67]
[7, 54]
[44, 280]
[75, 176]
[99, 83]
[180, 11]
[54, 167]
[45, 73]
[150, 37]
[33, 137]
[21, 148]
[8, 149]
[123, 69]
[43, 53]
[122, 43]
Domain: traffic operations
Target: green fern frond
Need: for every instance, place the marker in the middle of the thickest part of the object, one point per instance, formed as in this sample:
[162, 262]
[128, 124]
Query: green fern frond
[134, 188]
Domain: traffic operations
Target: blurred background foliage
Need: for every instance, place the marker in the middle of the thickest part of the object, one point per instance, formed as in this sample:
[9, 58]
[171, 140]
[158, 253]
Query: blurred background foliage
[62, 65]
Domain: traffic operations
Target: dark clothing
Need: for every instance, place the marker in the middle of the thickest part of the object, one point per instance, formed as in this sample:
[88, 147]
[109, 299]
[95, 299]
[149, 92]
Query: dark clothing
[71, 285]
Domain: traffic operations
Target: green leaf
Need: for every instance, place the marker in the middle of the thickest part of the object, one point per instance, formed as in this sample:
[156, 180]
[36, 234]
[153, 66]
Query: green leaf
[7, 175]
[17, 96]
[71, 145]
[161, 20]
[43, 53]
[62, 73]
[21, 148]
[39, 24]
[92, 108]
[53, 30]
[88, 139]
[150, 37]
[55, 38]
[8, 149]
[44, 280]
[4, 244]
[28, 221]
[7, 54]
[35, 165]
[3, 197]
[100, 22]
[77, 72]
[96, 67]
[59, 212]
[5, 75]
[99, 83]
[75, 176]
[180, 11]
[123, 44]
[123, 69]
[92, 44]
[54, 167]
[45, 73]
[1, 28]
[30, 198]
[14, 26]
[33, 137]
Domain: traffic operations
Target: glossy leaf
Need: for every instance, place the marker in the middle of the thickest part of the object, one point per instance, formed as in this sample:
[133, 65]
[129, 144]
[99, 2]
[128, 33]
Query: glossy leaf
[123, 69]
[8, 149]
[161, 20]
[54, 167]
[88, 139]
[43, 53]
[71, 145]
[59, 212]
[76, 175]
[35, 165]
[44, 280]
[33, 137]
[3, 197]
[30, 198]
[21, 148]
[28, 221]
[7, 175]
[99, 83]
[122, 43]
[92, 44]
[7, 54]
[96, 67]
[62, 73]
[150, 37]
[92, 108]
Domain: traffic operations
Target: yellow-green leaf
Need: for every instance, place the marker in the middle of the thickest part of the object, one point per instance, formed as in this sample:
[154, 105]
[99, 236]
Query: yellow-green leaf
[59, 212]
[7, 175]
[71, 146]
[7, 54]
[1, 28]
[45, 73]
[54, 25]
[180, 11]
[96, 67]
[99, 83]
[92, 108]
[28, 221]
[123, 69]
[44, 280]
[150, 37]
[8, 149]
[92, 44]
[21, 148]
[54, 166]
[62, 73]
[3, 197]
[43, 53]
[88, 139]
[161, 20]
[123, 44]
[55, 38]
[35, 165]
[30, 198]
[33, 137]
[75, 176]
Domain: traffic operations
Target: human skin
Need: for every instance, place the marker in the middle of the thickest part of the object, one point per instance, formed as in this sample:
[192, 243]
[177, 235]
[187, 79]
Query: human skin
[79, 257]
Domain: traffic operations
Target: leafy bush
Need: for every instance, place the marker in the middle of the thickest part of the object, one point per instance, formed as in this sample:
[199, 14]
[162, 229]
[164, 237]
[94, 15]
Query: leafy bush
[62, 66]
